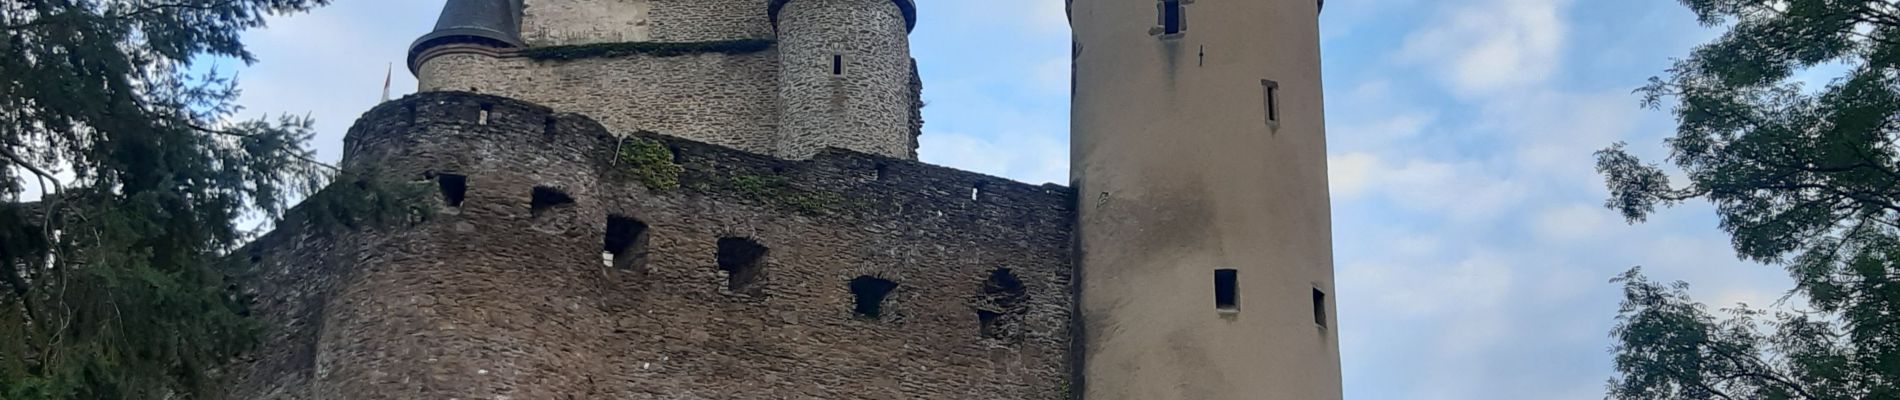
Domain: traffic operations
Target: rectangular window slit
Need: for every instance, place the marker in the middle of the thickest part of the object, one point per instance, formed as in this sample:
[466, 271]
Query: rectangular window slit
[1272, 90]
[1171, 17]
[454, 188]
[837, 64]
[1319, 307]
[1226, 290]
[482, 119]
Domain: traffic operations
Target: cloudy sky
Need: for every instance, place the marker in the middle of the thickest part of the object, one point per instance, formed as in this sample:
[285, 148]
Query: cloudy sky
[1473, 253]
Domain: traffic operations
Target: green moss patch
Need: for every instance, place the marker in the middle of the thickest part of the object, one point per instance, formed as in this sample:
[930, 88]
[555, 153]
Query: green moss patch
[650, 162]
[774, 190]
[657, 49]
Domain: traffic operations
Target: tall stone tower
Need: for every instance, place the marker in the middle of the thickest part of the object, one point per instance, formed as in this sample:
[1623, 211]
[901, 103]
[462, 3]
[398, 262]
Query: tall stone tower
[845, 75]
[1204, 228]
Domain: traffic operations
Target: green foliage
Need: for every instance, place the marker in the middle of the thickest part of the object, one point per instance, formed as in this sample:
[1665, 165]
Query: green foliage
[771, 189]
[650, 162]
[365, 202]
[106, 286]
[1802, 177]
[657, 49]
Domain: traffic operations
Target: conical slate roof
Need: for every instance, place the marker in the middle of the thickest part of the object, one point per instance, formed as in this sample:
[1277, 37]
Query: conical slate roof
[493, 22]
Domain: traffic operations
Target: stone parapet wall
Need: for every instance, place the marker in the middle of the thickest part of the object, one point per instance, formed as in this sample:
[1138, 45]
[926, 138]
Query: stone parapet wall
[864, 104]
[496, 299]
[726, 99]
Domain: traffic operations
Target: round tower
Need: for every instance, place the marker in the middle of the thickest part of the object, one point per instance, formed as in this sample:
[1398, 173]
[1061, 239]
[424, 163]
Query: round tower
[1204, 228]
[463, 47]
[845, 76]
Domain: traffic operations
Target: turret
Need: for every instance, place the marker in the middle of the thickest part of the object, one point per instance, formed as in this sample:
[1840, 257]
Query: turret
[845, 76]
[1203, 217]
[468, 34]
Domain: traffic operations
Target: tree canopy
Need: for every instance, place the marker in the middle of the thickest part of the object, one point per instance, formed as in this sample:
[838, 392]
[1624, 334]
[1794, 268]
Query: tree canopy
[106, 284]
[1801, 176]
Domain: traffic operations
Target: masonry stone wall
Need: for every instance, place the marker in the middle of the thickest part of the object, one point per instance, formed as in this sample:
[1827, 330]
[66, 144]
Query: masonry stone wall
[568, 22]
[709, 20]
[494, 299]
[726, 99]
[865, 104]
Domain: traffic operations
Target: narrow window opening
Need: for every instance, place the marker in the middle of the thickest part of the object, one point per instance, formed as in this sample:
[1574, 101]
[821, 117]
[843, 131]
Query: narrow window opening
[741, 259]
[1003, 301]
[1319, 307]
[625, 244]
[837, 64]
[549, 126]
[1171, 17]
[989, 328]
[976, 191]
[883, 171]
[869, 293]
[545, 197]
[454, 188]
[482, 119]
[1226, 291]
[1272, 90]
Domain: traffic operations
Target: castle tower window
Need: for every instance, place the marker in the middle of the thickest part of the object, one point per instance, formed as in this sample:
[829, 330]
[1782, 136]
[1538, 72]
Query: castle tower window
[1271, 91]
[869, 292]
[1003, 298]
[1319, 307]
[1171, 19]
[482, 118]
[1226, 290]
[546, 197]
[454, 188]
[837, 64]
[976, 190]
[742, 260]
[625, 246]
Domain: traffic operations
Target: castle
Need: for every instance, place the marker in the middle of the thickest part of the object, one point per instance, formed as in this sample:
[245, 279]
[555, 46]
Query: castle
[719, 199]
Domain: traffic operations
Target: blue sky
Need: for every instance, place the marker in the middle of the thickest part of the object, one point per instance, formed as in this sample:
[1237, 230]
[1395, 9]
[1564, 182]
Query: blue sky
[1473, 252]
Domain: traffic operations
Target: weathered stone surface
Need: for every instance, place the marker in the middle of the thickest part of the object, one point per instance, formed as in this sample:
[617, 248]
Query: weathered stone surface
[567, 22]
[730, 100]
[493, 300]
[841, 74]
[845, 72]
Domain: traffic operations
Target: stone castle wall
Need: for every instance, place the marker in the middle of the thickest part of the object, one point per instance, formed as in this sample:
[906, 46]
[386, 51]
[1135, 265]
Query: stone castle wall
[495, 299]
[709, 20]
[569, 22]
[845, 78]
[725, 99]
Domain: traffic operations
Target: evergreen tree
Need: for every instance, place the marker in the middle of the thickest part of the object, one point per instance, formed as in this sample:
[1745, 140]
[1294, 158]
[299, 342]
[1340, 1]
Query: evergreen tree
[107, 289]
[1801, 177]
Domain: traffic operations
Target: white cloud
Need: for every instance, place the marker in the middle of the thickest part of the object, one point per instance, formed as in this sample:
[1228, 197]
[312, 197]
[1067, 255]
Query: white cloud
[1573, 222]
[1489, 46]
[1026, 157]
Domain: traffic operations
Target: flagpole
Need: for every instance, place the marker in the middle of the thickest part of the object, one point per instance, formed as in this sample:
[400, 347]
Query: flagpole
[388, 72]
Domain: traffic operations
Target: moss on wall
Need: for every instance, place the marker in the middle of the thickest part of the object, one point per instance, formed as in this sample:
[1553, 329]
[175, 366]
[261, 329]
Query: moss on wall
[657, 49]
[649, 161]
[774, 190]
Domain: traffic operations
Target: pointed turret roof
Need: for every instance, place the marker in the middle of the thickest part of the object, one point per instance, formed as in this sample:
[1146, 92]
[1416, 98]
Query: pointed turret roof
[492, 22]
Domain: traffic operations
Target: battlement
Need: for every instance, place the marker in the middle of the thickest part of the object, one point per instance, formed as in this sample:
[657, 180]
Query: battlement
[866, 185]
